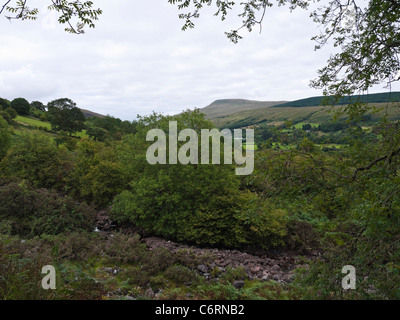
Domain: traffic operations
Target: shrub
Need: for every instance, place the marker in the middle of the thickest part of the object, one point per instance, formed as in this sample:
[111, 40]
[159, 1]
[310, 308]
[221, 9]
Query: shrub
[35, 157]
[21, 106]
[181, 274]
[33, 212]
[5, 137]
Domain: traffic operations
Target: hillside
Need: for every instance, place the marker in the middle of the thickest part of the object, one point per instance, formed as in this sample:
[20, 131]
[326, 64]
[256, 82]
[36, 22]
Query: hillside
[88, 113]
[321, 100]
[309, 109]
[225, 107]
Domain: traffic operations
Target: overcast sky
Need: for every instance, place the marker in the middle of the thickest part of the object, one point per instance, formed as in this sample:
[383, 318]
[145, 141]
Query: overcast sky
[137, 59]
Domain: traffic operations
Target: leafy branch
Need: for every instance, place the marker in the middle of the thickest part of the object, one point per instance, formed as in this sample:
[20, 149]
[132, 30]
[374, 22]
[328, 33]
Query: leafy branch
[81, 11]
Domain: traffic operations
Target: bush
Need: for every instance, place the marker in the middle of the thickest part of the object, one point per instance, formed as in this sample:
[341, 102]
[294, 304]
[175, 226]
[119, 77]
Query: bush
[5, 138]
[33, 212]
[35, 157]
[21, 106]
[181, 275]
[20, 270]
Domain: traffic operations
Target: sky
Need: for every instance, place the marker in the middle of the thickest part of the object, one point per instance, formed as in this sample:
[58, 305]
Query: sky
[138, 60]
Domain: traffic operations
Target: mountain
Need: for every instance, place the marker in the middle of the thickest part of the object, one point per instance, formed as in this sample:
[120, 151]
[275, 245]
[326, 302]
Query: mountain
[238, 113]
[88, 113]
[367, 98]
[225, 107]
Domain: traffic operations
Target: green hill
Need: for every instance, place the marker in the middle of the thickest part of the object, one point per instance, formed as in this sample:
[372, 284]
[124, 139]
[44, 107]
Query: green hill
[309, 109]
[225, 107]
[318, 101]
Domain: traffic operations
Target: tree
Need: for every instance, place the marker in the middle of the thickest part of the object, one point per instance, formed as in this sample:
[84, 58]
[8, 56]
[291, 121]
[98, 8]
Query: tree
[98, 134]
[21, 105]
[199, 203]
[38, 105]
[35, 157]
[8, 114]
[65, 116]
[5, 137]
[4, 104]
[82, 12]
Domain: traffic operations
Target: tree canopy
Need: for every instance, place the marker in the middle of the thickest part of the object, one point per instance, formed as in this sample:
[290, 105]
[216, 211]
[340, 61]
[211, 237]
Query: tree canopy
[21, 106]
[65, 115]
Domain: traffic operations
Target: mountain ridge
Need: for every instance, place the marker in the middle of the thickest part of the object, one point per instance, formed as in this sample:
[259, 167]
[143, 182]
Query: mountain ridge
[236, 113]
[224, 107]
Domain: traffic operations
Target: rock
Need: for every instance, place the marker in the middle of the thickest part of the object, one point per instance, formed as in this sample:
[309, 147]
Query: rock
[238, 284]
[255, 269]
[149, 293]
[276, 268]
[202, 268]
[275, 277]
[265, 278]
[108, 270]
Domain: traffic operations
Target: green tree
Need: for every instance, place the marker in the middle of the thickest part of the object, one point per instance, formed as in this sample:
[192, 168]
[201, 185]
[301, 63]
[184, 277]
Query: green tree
[109, 127]
[34, 156]
[35, 212]
[98, 134]
[21, 106]
[102, 183]
[199, 203]
[186, 202]
[4, 104]
[65, 116]
[97, 176]
[8, 114]
[5, 137]
[38, 105]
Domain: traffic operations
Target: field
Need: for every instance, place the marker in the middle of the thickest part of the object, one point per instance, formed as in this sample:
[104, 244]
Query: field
[28, 121]
[300, 125]
[32, 122]
[314, 114]
[250, 146]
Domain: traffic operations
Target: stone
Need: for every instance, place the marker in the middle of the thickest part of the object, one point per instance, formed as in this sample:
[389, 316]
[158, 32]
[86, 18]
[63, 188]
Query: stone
[202, 268]
[275, 277]
[276, 268]
[238, 284]
[255, 269]
[149, 293]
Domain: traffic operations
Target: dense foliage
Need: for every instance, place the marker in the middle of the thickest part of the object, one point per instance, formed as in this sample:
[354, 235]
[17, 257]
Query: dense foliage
[197, 203]
[65, 115]
[327, 187]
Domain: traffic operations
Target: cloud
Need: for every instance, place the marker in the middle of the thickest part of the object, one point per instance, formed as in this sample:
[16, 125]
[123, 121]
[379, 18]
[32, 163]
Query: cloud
[138, 60]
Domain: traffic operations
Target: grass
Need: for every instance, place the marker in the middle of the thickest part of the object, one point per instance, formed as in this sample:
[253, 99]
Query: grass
[300, 125]
[81, 134]
[38, 123]
[331, 145]
[250, 146]
[32, 122]
[313, 114]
